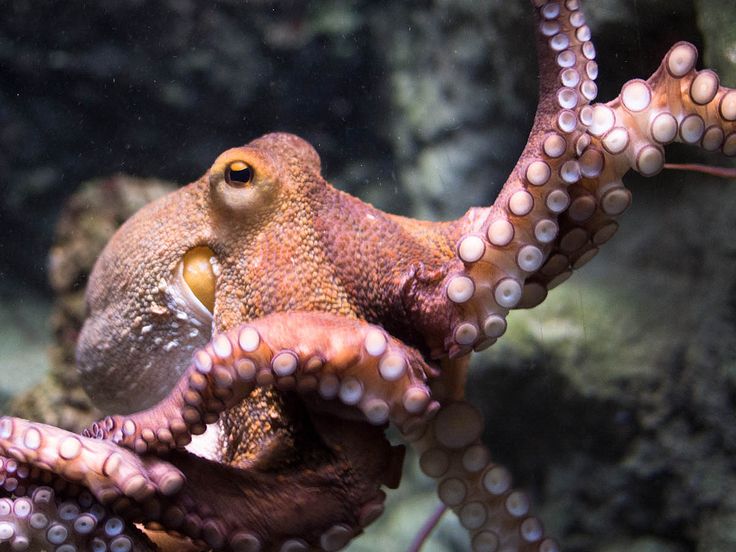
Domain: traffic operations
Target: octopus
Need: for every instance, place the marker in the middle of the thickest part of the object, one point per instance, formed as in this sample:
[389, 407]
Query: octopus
[271, 327]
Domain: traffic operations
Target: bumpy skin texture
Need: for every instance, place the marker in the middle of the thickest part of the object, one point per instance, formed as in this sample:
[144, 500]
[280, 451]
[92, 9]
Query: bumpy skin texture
[329, 319]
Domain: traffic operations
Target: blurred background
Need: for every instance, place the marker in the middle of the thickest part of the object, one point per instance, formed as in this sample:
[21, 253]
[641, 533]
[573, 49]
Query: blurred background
[612, 403]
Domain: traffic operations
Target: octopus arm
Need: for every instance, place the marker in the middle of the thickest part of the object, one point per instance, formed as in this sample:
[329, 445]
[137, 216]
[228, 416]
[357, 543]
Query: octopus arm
[347, 366]
[107, 470]
[323, 503]
[354, 377]
[676, 104]
[561, 201]
[495, 515]
[47, 512]
[501, 246]
[319, 504]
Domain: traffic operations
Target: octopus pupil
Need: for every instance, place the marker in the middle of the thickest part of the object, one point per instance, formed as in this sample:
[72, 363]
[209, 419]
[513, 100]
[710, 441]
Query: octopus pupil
[239, 177]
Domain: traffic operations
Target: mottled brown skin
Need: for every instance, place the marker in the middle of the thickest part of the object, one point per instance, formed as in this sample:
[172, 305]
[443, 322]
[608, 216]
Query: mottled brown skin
[319, 297]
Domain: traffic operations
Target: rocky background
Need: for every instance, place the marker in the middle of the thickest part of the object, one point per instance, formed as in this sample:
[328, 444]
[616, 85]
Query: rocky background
[613, 403]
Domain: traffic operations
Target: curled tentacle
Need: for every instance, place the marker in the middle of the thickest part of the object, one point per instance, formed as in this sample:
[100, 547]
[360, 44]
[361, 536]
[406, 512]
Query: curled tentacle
[341, 360]
[478, 491]
[339, 365]
[108, 471]
[676, 104]
[324, 502]
[33, 515]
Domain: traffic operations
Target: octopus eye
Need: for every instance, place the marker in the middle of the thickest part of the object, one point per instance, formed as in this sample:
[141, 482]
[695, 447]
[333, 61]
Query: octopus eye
[239, 174]
[200, 276]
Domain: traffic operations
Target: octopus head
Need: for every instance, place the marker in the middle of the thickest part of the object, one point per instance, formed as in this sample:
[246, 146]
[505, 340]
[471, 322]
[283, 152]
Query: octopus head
[154, 292]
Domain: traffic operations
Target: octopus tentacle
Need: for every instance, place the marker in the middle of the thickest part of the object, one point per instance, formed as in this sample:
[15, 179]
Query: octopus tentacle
[504, 244]
[323, 505]
[560, 204]
[108, 471]
[478, 490]
[676, 104]
[34, 517]
[335, 357]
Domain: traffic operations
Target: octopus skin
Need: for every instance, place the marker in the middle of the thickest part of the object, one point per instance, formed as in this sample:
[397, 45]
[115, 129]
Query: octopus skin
[271, 326]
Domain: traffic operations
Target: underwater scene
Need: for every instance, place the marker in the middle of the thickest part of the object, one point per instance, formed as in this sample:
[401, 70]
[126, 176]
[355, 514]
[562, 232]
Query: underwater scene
[335, 387]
